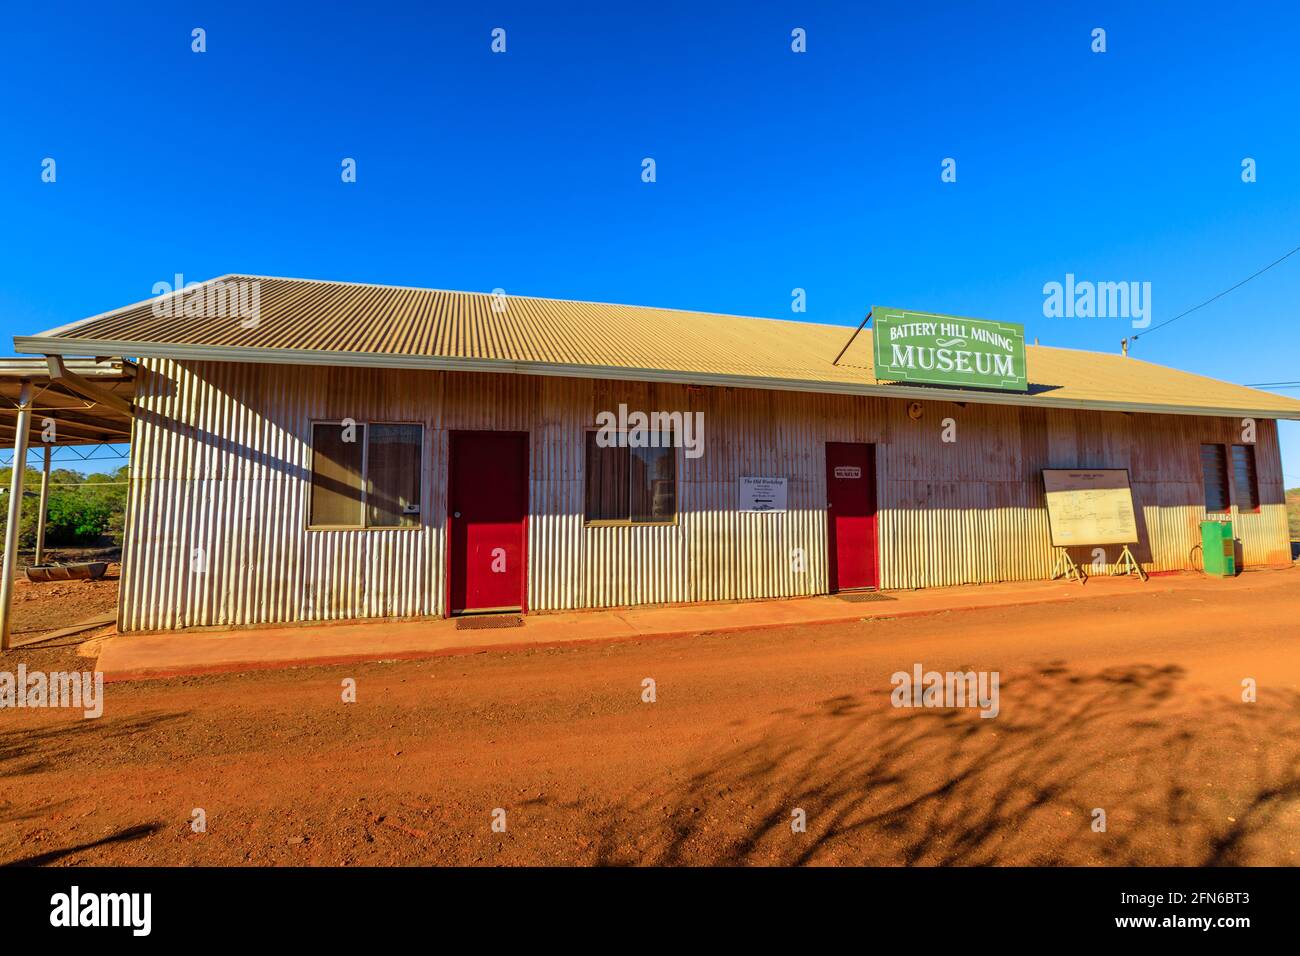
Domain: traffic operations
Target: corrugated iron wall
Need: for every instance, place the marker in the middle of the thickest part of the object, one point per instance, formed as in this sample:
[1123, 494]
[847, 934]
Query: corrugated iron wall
[216, 520]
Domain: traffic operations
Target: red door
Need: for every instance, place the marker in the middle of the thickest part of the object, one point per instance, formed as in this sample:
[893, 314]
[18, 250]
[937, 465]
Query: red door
[487, 515]
[851, 515]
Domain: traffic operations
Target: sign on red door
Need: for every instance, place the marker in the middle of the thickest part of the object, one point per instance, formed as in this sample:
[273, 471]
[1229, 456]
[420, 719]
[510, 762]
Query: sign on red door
[487, 520]
[851, 515]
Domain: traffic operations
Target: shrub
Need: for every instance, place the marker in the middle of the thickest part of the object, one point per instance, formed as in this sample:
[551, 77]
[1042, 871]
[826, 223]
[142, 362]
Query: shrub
[81, 510]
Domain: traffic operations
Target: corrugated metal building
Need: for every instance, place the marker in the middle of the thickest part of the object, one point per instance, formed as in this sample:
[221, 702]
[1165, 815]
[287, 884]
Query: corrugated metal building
[246, 507]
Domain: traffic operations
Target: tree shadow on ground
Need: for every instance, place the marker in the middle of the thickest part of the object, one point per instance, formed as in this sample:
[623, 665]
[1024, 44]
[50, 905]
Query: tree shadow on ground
[59, 743]
[53, 856]
[70, 742]
[1184, 778]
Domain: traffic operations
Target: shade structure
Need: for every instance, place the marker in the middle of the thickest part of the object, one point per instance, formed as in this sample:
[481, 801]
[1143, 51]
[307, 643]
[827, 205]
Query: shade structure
[47, 403]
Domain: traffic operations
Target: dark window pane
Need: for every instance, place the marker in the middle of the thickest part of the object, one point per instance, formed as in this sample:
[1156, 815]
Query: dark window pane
[1214, 473]
[607, 485]
[393, 476]
[336, 474]
[654, 482]
[1244, 478]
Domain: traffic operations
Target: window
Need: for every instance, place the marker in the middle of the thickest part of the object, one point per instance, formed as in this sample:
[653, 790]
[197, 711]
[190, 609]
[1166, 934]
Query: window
[393, 475]
[365, 475]
[631, 485]
[337, 454]
[607, 482]
[1214, 473]
[1244, 480]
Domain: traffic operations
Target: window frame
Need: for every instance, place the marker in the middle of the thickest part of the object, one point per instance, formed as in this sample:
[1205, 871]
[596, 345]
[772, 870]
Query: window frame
[628, 522]
[1227, 477]
[365, 477]
[1254, 474]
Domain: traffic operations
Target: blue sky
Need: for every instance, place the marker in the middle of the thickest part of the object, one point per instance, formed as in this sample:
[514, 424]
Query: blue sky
[775, 170]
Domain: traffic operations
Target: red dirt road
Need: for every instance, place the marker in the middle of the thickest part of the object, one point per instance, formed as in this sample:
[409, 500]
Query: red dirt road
[1129, 704]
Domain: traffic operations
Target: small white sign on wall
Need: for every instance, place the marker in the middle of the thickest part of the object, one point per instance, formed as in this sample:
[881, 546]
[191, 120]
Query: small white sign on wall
[762, 494]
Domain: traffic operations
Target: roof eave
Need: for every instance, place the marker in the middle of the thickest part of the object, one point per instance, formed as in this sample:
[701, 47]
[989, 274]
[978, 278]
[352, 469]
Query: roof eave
[44, 345]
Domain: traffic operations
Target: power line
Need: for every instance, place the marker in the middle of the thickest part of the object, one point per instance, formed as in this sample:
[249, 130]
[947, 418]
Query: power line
[1219, 296]
[1274, 385]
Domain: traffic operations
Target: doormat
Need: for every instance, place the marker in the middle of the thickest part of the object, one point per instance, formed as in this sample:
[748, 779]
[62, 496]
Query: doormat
[482, 622]
[858, 597]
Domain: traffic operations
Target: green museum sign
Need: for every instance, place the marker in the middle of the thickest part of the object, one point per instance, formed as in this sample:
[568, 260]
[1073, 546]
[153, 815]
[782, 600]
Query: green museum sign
[948, 350]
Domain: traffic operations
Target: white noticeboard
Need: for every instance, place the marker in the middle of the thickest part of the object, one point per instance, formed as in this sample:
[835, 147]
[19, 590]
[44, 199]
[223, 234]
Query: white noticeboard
[1089, 506]
[762, 494]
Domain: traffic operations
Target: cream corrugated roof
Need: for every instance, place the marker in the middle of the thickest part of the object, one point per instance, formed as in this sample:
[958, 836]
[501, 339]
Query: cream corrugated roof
[303, 320]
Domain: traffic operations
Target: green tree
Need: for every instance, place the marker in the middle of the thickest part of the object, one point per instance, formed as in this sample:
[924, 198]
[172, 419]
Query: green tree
[82, 510]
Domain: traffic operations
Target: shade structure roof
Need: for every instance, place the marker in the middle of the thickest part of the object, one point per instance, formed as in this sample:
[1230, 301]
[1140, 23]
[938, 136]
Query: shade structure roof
[78, 420]
[308, 321]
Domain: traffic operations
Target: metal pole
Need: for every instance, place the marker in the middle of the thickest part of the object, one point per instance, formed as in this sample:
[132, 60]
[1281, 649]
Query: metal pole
[22, 422]
[851, 338]
[45, 503]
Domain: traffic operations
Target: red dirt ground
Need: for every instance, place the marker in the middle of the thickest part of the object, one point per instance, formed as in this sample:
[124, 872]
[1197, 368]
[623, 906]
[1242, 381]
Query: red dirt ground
[1130, 704]
[51, 605]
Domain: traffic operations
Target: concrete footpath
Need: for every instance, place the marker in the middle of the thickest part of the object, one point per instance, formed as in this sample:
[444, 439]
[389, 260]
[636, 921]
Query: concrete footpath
[135, 657]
